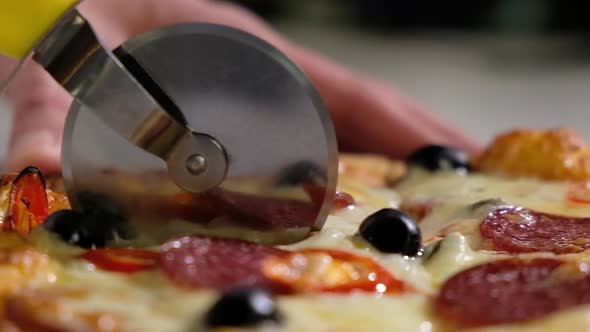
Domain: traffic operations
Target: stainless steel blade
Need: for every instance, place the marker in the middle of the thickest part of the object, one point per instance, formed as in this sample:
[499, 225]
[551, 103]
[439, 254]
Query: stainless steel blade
[105, 84]
[278, 139]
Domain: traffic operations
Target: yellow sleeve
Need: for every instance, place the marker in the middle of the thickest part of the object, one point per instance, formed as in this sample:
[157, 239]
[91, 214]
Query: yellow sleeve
[24, 22]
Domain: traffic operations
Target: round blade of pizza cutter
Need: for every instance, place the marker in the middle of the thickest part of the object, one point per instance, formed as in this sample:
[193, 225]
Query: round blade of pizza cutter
[278, 139]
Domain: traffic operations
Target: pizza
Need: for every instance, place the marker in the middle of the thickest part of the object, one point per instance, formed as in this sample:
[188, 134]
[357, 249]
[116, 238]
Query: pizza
[438, 242]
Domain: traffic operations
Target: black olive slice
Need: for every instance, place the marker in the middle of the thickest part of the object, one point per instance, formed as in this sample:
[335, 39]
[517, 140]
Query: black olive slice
[243, 307]
[94, 230]
[437, 157]
[392, 231]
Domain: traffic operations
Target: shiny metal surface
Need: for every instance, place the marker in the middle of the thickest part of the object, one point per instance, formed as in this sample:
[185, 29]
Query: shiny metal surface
[276, 135]
[72, 54]
[64, 50]
[70, 29]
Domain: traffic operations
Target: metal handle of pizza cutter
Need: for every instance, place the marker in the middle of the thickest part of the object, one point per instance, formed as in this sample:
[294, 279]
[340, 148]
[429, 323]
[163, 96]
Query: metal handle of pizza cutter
[75, 58]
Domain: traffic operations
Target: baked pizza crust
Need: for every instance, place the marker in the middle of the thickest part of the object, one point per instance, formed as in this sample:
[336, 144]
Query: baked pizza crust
[370, 169]
[554, 154]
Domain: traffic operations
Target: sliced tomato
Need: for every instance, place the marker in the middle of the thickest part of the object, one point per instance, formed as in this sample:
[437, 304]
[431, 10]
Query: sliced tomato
[122, 259]
[28, 206]
[325, 270]
[579, 193]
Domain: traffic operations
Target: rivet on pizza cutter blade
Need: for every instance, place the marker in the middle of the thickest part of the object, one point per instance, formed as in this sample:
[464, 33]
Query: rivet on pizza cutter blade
[228, 136]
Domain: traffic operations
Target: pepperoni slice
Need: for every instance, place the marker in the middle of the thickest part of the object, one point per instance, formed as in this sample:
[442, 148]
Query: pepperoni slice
[198, 261]
[519, 230]
[254, 211]
[263, 213]
[340, 200]
[210, 262]
[512, 290]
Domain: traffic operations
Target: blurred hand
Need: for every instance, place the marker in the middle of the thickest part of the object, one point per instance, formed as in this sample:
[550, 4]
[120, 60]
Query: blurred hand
[369, 115]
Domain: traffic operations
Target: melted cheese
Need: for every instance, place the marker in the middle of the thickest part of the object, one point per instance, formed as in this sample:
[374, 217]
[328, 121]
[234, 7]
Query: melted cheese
[454, 193]
[452, 255]
[148, 302]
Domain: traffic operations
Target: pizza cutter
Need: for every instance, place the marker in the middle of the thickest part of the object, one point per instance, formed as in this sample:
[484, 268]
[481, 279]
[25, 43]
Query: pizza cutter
[190, 128]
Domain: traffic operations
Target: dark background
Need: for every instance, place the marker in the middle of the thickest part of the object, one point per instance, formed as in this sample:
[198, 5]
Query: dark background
[538, 16]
